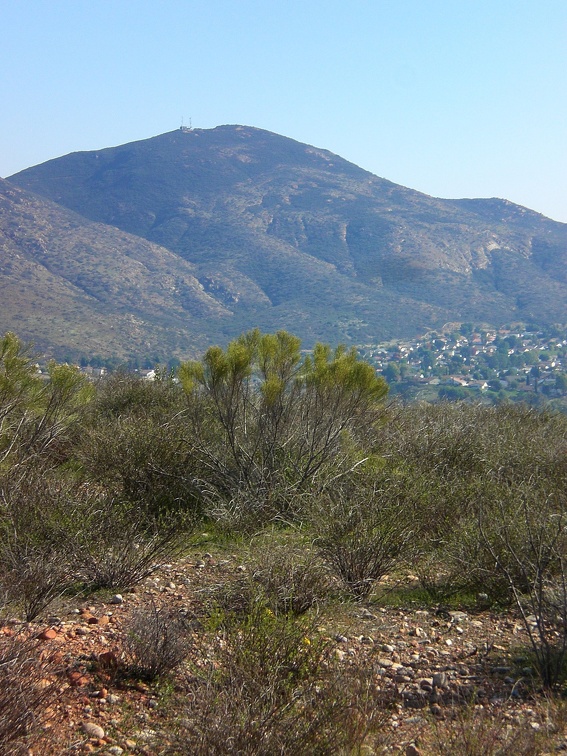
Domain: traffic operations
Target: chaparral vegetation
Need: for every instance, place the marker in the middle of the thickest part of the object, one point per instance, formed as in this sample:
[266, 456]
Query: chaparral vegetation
[259, 553]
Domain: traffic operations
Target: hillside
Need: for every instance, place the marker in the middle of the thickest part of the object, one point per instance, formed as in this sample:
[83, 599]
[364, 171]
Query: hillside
[73, 286]
[280, 234]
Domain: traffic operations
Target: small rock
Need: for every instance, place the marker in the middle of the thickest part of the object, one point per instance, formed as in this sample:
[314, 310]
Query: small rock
[76, 678]
[412, 750]
[458, 616]
[439, 680]
[388, 648]
[48, 634]
[117, 599]
[92, 730]
[112, 698]
[341, 638]
[108, 659]
[116, 750]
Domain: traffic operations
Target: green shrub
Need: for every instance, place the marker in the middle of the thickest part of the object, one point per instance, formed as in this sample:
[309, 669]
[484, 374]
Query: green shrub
[364, 531]
[272, 687]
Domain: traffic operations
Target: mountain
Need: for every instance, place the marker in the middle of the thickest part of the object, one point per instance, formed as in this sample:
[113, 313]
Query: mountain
[266, 231]
[73, 286]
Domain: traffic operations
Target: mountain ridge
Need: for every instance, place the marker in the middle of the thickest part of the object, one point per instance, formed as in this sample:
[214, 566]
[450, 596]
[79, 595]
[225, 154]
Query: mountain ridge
[280, 234]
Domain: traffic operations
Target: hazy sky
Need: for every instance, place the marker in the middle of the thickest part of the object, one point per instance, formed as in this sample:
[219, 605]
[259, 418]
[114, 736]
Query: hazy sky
[456, 98]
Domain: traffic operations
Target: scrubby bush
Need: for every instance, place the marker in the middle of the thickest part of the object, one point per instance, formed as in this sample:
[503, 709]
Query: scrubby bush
[363, 531]
[274, 425]
[56, 533]
[283, 574]
[271, 687]
[39, 416]
[156, 641]
[36, 539]
[138, 446]
[119, 546]
[26, 687]
[534, 567]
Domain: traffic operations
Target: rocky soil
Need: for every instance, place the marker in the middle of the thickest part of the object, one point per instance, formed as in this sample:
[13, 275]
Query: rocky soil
[451, 676]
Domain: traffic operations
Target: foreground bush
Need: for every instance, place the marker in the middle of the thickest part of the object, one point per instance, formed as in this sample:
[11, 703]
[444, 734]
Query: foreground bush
[39, 418]
[138, 446]
[283, 574]
[156, 641]
[38, 528]
[56, 533]
[25, 690]
[272, 688]
[364, 531]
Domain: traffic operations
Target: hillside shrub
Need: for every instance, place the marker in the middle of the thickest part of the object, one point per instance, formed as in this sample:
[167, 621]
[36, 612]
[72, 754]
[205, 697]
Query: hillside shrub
[156, 641]
[271, 686]
[273, 425]
[119, 546]
[363, 531]
[26, 688]
[36, 536]
[39, 416]
[283, 574]
[138, 446]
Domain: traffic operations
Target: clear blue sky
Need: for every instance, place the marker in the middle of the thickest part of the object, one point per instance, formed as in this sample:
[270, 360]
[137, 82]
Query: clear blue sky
[456, 98]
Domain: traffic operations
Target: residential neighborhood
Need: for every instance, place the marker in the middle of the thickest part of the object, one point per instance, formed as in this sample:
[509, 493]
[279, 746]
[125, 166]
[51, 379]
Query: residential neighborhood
[464, 361]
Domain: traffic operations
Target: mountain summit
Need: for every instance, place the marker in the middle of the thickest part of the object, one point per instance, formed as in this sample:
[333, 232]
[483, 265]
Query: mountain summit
[278, 234]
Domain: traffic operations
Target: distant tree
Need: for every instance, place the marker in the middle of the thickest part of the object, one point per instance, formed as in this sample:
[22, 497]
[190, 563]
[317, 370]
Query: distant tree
[531, 357]
[535, 373]
[453, 393]
[427, 359]
[561, 383]
[392, 372]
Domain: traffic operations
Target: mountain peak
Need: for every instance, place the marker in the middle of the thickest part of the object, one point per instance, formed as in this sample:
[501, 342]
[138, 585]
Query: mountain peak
[281, 234]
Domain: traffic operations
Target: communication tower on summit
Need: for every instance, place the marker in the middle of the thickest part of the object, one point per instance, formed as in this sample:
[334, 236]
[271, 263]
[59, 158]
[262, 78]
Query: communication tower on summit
[186, 128]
